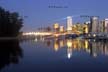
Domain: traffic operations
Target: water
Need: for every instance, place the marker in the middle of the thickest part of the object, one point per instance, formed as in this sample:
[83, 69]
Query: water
[53, 55]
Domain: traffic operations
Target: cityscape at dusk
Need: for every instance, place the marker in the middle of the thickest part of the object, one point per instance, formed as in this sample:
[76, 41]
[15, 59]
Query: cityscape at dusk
[37, 13]
[53, 36]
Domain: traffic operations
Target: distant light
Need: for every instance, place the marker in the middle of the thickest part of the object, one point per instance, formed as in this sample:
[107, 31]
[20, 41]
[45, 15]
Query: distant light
[69, 17]
[86, 44]
[56, 25]
[94, 40]
[69, 43]
[69, 55]
[35, 39]
[95, 18]
[94, 35]
[56, 35]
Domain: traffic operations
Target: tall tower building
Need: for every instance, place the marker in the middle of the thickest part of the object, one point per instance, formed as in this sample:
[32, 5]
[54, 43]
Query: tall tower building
[106, 25]
[69, 23]
[102, 26]
[95, 24]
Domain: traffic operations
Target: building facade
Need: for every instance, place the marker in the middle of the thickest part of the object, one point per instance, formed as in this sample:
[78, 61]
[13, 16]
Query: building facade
[69, 23]
[94, 24]
[106, 25]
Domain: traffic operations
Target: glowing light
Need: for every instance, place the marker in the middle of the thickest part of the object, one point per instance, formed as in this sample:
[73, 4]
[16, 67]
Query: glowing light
[69, 55]
[36, 39]
[61, 43]
[56, 45]
[94, 40]
[56, 35]
[61, 28]
[37, 33]
[86, 44]
[86, 29]
[56, 25]
[69, 43]
[94, 35]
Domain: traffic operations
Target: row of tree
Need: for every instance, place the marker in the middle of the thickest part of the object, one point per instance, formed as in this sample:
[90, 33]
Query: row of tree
[10, 23]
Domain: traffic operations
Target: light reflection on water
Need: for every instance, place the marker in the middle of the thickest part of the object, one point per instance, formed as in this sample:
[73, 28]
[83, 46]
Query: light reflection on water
[61, 54]
[92, 47]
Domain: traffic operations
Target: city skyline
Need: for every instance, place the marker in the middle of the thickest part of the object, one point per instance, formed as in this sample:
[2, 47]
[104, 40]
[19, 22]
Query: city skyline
[38, 13]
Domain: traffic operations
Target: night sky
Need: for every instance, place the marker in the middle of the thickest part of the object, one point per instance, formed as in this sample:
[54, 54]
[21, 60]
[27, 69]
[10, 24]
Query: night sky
[37, 13]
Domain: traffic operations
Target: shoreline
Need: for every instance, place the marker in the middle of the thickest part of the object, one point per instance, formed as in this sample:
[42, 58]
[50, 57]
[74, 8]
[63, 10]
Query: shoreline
[8, 38]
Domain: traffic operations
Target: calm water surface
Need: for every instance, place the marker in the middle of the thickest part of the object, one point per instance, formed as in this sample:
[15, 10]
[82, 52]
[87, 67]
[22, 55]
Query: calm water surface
[53, 55]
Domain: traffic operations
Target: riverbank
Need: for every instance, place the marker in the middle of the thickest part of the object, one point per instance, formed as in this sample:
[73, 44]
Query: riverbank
[9, 38]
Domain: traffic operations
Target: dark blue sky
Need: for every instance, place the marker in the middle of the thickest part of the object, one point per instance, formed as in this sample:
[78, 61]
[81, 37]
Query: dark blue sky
[39, 14]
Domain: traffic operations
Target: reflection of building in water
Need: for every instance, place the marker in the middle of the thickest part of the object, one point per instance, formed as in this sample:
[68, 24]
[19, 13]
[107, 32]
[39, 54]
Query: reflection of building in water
[98, 48]
[86, 44]
[48, 43]
[69, 48]
[69, 52]
[106, 49]
[61, 43]
[91, 47]
[56, 44]
[69, 43]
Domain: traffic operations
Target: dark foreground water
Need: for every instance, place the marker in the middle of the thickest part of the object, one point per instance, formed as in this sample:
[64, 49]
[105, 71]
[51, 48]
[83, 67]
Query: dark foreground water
[54, 55]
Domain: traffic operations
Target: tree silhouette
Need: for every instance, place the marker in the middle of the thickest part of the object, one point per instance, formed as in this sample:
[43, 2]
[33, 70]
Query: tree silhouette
[10, 52]
[10, 23]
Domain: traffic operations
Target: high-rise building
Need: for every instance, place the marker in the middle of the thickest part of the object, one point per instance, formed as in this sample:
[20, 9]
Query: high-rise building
[61, 28]
[69, 23]
[102, 26]
[95, 24]
[85, 28]
[106, 25]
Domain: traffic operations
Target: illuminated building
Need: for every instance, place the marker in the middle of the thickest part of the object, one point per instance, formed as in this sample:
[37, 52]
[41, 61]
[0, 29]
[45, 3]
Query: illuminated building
[56, 27]
[106, 25]
[77, 28]
[95, 24]
[69, 24]
[102, 26]
[85, 28]
[61, 28]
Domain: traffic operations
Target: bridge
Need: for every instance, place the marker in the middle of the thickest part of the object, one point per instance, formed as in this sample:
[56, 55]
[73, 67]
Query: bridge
[36, 33]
